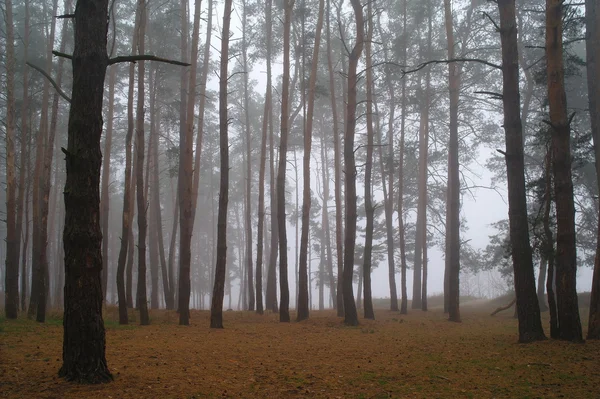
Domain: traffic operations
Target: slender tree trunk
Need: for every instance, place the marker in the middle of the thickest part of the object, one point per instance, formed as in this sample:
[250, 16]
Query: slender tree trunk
[25, 251]
[216, 311]
[105, 199]
[401, 230]
[549, 245]
[337, 173]
[261, 179]
[569, 324]
[127, 208]
[369, 208]
[303, 308]
[284, 313]
[541, 284]
[325, 221]
[592, 16]
[530, 326]
[350, 315]
[24, 155]
[452, 272]
[141, 296]
[11, 281]
[186, 222]
[84, 337]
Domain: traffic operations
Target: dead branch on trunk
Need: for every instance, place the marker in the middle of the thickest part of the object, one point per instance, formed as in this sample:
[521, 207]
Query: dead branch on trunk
[502, 308]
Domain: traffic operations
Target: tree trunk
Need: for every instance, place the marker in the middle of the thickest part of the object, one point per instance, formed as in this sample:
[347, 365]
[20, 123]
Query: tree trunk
[105, 199]
[452, 266]
[350, 315]
[127, 208]
[541, 284]
[284, 313]
[569, 324]
[325, 221]
[141, 296]
[369, 208]
[216, 311]
[593, 71]
[549, 245]
[303, 308]
[337, 173]
[11, 281]
[530, 326]
[186, 222]
[401, 232]
[84, 337]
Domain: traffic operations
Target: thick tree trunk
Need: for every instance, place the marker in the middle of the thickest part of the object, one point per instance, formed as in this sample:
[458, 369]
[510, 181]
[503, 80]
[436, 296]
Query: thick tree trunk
[84, 337]
[11, 281]
[216, 311]
[530, 326]
[569, 324]
[549, 246]
[350, 315]
[592, 16]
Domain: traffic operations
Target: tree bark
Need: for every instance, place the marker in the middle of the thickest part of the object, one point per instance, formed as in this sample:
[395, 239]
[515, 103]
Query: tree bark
[141, 296]
[325, 221]
[84, 337]
[549, 245]
[337, 174]
[453, 195]
[216, 311]
[11, 281]
[530, 326]
[569, 324]
[401, 232]
[350, 315]
[105, 199]
[186, 212]
[127, 209]
[284, 313]
[592, 16]
[369, 208]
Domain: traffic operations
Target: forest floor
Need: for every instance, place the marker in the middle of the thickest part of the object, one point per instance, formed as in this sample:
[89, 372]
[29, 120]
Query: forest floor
[419, 355]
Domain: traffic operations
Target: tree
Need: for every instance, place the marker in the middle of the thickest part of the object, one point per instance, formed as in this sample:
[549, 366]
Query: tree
[593, 71]
[303, 308]
[84, 337]
[11, 287]
[530, 325]
[369, 208]
[452, 273]
[141, 297]
[569, 325]
[337, 173]
[350, 315]
[284, 312]
[216, 310]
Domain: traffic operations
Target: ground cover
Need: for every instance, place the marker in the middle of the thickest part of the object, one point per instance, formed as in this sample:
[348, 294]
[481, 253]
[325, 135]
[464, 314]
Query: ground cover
[419, 355]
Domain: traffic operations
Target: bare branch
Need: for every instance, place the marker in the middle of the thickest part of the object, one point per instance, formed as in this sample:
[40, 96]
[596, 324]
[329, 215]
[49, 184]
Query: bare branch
[144, 57]
[52, 82]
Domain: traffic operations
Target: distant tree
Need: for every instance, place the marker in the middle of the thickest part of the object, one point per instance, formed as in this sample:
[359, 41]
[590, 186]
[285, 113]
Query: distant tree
[216, 311]
[530, 325]
[569, 324]
[350, 315]
[592, 14]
